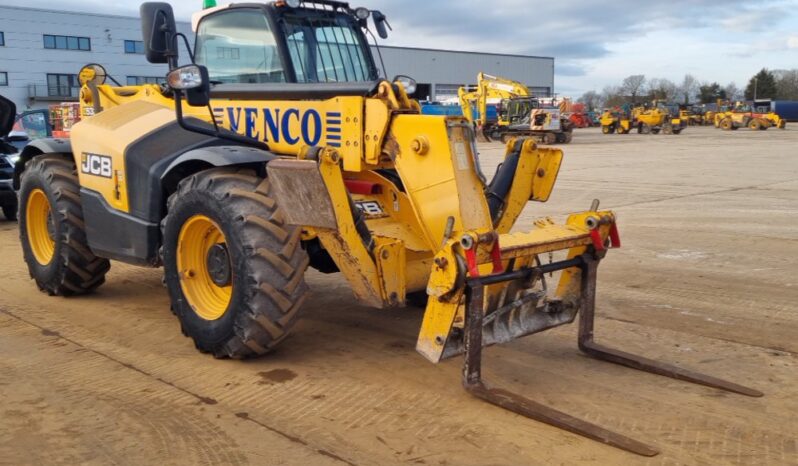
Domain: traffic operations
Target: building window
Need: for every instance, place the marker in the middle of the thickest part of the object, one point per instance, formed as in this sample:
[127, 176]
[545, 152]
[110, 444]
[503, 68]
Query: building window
[134, 46]
[2, 38]
[229, 53]
[66, 42]
[139, 80]
[3, 78]
[62, 85]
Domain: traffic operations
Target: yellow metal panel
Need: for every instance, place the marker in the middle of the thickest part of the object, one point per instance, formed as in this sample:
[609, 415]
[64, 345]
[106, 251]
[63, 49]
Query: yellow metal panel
[344, 244]
[534, 180]
[548, 239]
[286, 126]
[391, 265]
[442, 182]
[436, 327]
[108, 134]
[376, 126]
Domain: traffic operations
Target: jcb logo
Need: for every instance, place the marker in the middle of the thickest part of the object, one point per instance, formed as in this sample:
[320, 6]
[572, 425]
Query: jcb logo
[93, 164]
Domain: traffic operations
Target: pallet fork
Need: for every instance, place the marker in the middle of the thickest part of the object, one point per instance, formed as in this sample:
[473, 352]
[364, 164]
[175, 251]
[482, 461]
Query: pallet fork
[472, 369]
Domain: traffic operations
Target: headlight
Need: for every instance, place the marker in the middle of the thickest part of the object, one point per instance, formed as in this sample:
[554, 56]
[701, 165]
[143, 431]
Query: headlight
[185, 77]
[292, 3]
[362, 13]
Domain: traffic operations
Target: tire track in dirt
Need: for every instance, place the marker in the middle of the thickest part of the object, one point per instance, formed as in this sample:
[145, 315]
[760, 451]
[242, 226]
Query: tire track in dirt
[155, 412]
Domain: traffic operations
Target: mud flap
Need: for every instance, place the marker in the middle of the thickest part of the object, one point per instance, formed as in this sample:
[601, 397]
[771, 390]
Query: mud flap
[302, 193]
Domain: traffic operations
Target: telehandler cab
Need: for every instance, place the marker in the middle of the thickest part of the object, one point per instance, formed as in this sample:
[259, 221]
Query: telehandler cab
[279, 147]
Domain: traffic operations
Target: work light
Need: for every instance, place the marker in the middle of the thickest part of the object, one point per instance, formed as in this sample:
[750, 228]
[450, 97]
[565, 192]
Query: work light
[185, 77]
[362, 13]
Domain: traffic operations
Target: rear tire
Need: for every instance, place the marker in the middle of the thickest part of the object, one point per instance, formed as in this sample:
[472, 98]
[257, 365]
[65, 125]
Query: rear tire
[52, 232]
[266, 264]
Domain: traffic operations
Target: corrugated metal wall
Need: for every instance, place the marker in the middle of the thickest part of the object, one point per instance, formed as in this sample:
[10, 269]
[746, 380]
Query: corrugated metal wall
[446, 67]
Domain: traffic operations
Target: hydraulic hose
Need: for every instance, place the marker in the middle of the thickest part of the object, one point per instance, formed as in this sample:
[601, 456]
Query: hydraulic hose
[496, 192]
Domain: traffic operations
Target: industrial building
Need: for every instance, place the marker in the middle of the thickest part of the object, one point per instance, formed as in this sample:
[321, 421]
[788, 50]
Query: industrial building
[41, 52]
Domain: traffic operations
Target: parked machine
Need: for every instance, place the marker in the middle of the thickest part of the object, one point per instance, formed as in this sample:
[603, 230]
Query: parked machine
[615, 121]
[655, 118]
[692, 114]
[518, 112]
[9, 155]
[237, 177]
[774, 119]
[741, 116]
[646, 119]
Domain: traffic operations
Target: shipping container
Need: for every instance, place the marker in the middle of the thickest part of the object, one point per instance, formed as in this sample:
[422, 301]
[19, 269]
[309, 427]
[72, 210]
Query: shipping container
[787, 109]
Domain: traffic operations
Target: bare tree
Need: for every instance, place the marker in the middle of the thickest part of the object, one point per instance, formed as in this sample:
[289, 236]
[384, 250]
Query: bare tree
[633, 85]
[612, 96]
[662, 89]
[591, 99]
[786, 84]
[733, 93]
[688, 88]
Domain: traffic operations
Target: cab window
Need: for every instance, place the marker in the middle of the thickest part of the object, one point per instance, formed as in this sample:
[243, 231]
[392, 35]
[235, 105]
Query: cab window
[238, 46]
[326, 49]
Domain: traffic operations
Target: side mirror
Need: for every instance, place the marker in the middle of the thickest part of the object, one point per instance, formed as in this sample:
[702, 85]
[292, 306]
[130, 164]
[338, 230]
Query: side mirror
[8, 112]
[194, 81]
[407, 82]
[158, 30]
[18, 136]
[380, 22]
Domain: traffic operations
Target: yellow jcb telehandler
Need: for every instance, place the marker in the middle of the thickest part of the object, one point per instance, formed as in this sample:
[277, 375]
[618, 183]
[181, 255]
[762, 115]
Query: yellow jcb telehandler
[239, 174]
[741, 116]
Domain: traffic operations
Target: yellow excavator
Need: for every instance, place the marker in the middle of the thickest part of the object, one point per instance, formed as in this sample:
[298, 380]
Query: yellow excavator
[518, 112]
[239, 174]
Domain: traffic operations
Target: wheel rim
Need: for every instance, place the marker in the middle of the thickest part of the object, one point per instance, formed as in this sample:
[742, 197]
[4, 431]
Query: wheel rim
[201, 252]
[40, 227]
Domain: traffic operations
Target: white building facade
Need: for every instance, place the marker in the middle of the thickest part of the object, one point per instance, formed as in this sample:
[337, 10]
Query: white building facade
[42, 51]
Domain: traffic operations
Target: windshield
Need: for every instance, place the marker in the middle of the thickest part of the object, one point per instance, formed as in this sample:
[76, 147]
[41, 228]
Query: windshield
[326, 49]
[238, 46]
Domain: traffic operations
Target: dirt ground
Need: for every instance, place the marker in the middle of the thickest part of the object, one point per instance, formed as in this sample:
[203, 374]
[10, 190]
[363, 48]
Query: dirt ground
[706, 278]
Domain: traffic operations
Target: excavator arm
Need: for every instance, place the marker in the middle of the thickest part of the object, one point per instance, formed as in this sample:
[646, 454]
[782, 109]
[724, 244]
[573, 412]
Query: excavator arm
[488, 87]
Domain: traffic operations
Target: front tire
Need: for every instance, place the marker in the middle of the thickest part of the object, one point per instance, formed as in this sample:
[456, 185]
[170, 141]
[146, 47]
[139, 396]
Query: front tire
[234, 269]
[726, 124]
[52, 232]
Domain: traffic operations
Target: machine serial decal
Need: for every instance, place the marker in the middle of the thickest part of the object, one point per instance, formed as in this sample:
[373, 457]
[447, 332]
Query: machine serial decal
[95, 164]
[289, 125]
[370, 209]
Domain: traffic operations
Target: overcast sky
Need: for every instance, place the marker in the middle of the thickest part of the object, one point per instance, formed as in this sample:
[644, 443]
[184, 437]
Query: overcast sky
[595, 43]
